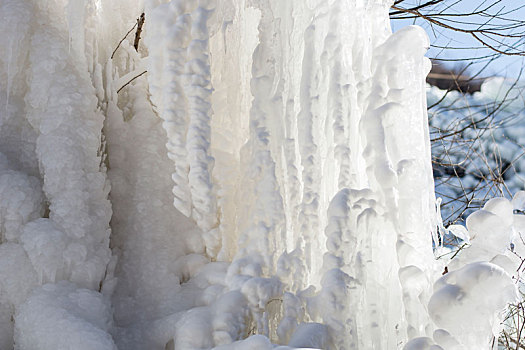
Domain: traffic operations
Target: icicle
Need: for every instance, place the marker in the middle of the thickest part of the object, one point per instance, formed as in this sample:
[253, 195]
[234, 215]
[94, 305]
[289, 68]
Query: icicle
[16, 18]
[185, 106]
[76, 10]
[412, 181]
[308, 149]
[165, 67]
[9, 74]
[196, 83]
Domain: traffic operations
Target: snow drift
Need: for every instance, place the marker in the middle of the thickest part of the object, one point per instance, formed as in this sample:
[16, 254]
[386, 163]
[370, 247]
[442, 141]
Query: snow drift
[267, 182]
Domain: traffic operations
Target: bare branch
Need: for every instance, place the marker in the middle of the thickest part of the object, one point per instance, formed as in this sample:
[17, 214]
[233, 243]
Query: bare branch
[124, 38]
[123, 86]
[140, 23]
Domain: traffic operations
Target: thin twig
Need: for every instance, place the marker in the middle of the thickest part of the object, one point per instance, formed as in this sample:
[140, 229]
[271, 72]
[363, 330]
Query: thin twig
[123, 86]
[124, 38]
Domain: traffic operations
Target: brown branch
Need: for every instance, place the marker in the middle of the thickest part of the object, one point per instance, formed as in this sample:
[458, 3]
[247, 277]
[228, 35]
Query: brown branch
[123, 86]
[140, 23]
[473, 32]
[518, 345]
[124, 38]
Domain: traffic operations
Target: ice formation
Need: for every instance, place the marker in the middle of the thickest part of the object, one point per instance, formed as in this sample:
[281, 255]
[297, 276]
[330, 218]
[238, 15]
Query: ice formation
[265, 185]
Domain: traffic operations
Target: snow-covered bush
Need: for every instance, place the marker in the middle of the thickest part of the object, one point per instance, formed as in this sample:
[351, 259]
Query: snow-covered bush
[477, 145]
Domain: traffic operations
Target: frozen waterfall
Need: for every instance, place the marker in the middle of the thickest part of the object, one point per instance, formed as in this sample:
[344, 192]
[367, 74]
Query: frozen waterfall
[256, 176]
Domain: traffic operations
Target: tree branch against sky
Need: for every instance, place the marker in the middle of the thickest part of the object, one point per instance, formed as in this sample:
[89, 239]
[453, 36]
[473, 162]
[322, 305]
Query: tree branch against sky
[486, 34]
[470, 41]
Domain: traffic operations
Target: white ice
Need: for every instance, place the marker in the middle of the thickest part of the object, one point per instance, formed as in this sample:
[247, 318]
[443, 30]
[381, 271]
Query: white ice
[265, 185]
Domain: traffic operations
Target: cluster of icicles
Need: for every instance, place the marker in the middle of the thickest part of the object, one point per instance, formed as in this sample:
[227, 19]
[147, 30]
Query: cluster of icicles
[265, 185]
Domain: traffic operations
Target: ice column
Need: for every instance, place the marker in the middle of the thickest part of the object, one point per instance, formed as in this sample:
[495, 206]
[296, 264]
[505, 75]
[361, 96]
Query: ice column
[62, 106]
[180, 86]
[54, 208]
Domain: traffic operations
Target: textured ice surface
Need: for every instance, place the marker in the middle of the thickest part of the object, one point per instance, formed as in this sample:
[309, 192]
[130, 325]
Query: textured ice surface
[49, 249]
[22, 201]
[63, 316]
[467, 302]
[265, 185]
[312, 129]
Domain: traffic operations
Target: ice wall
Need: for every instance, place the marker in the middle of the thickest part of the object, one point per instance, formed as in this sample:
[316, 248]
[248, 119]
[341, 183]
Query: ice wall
[268, 182]
[55, 207]
[325, 118]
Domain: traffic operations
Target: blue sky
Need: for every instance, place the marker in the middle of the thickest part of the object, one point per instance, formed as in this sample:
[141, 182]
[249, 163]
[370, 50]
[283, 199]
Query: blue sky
[508, 66]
